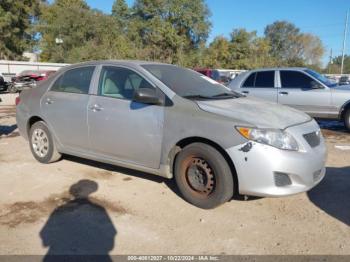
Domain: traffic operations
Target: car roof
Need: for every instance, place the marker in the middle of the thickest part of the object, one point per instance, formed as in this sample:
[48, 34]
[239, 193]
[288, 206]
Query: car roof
[279, 68]
[119, 62]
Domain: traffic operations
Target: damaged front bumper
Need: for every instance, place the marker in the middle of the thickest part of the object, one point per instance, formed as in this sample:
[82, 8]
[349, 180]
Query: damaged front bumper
[264, 170]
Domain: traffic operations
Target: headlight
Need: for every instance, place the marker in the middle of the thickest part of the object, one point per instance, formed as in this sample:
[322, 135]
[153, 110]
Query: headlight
[273, 137]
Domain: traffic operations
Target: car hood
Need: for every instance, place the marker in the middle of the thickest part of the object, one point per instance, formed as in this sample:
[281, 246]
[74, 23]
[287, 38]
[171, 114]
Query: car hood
[256, 112]
[342, 88]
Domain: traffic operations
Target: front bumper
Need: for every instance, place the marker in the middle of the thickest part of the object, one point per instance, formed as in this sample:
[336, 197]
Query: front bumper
[257, 165]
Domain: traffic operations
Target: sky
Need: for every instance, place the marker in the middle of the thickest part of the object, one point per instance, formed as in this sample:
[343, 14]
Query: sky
[325, 18]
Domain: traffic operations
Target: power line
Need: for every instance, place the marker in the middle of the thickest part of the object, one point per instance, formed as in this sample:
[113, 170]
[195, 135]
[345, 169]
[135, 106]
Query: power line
[326, 25]
[344, 42]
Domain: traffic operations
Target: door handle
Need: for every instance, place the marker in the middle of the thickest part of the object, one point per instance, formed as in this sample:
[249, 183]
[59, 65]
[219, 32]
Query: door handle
[245, 92]
[49, 101]
[283, 93]
[96, 108]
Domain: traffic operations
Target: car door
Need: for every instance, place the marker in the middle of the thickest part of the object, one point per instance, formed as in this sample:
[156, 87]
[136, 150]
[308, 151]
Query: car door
[304, 93]
[120, 128]
[64, 107]
[260, 84]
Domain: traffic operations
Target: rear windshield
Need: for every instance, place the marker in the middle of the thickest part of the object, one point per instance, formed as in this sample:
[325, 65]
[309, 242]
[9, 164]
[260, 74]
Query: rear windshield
[188, 83]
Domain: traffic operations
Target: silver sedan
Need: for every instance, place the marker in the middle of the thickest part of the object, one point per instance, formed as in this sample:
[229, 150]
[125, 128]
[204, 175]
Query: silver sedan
[176, 123]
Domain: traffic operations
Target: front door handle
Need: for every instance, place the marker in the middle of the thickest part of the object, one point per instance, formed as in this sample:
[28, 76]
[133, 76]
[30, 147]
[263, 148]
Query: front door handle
[96, 108]
[245, 92]
[283, 93]
[49, 101]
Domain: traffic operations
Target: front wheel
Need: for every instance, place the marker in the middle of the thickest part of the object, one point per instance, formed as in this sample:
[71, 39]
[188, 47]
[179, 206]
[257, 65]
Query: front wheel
[203, 176]
[347, 119]
[42, 144]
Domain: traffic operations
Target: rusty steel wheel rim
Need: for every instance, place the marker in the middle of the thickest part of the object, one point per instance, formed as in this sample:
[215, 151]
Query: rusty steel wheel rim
[199, 176]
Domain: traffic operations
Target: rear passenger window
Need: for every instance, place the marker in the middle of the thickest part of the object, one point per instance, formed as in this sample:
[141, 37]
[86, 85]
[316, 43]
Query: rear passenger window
[261, 79]
[74, 81]
[250, 81]
[294, 79]
[265, 79]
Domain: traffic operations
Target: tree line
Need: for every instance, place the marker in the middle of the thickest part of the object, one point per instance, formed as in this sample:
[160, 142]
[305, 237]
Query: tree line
[177, 32]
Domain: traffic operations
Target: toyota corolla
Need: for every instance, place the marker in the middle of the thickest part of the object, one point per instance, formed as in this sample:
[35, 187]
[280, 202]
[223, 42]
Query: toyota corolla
[176, 123]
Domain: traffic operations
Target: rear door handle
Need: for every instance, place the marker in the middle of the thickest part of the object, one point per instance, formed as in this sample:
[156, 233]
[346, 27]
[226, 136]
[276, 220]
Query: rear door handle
[283, 93]
[96, 108]
[245, 92]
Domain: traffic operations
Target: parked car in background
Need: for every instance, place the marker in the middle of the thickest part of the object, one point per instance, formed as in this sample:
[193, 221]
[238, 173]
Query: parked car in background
[28, 79]
[173, 122]
[301, 88]
[3, 85]
[344, 80]
[223, 76]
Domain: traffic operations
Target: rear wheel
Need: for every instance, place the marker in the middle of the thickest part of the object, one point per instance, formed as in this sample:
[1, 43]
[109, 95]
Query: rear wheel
[42, 144]
[347, 119]
[203, 176]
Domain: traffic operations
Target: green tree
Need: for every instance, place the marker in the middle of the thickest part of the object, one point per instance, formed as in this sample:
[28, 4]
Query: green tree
[290, 47]
[170, 30]
[241, 50]
[72, 32]
[261, 54]
[335, 66]
[16, 17]
[121, 12]
[283, 37]
[64, 25]
[218, 54]
[107, 42]
[312, 49]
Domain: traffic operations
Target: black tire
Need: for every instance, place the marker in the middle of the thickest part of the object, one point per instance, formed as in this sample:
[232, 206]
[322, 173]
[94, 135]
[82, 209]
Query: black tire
[203, 176]
[48, 155]
[347, 119]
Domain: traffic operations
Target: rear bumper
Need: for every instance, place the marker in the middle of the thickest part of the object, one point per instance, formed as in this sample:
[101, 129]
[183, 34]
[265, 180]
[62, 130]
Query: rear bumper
[258, 168]
[21, 119]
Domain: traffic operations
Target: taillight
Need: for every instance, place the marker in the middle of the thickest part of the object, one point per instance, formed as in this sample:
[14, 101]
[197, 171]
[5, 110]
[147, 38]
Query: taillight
[18, 100]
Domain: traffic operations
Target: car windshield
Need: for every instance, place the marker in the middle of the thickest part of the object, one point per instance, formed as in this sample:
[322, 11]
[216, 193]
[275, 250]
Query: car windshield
[189, 84]
[321, 78]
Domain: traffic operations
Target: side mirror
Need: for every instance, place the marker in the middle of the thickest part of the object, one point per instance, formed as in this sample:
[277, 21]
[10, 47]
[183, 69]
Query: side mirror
[146, 96]
[316, 85]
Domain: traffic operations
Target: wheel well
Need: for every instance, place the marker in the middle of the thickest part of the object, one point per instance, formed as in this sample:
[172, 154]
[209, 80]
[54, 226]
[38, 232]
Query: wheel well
[190, 140]
[32, 121]
[345, 109]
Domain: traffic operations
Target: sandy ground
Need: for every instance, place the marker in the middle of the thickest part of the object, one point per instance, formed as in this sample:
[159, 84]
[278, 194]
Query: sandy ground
[129, 212]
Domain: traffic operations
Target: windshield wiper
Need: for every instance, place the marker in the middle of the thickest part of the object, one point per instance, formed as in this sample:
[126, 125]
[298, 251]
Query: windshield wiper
[198, 97]
[226, 95]
[217, 96]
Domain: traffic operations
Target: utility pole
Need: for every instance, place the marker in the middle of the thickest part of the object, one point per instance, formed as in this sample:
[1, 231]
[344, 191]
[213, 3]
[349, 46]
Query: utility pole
[344, 42]
[330, 61]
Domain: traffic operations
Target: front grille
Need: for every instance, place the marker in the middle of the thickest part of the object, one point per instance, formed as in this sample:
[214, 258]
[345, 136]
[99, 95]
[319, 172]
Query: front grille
[313, 139]
[282, 179]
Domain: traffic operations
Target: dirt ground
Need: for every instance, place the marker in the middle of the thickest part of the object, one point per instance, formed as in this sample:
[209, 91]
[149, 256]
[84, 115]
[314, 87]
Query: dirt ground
[42, 209]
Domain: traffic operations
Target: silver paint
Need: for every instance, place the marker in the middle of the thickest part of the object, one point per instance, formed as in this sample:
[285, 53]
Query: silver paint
[147, 137]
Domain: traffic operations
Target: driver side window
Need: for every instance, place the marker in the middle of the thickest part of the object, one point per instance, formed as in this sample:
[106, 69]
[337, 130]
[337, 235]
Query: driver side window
[294, 79]
[120, 82]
